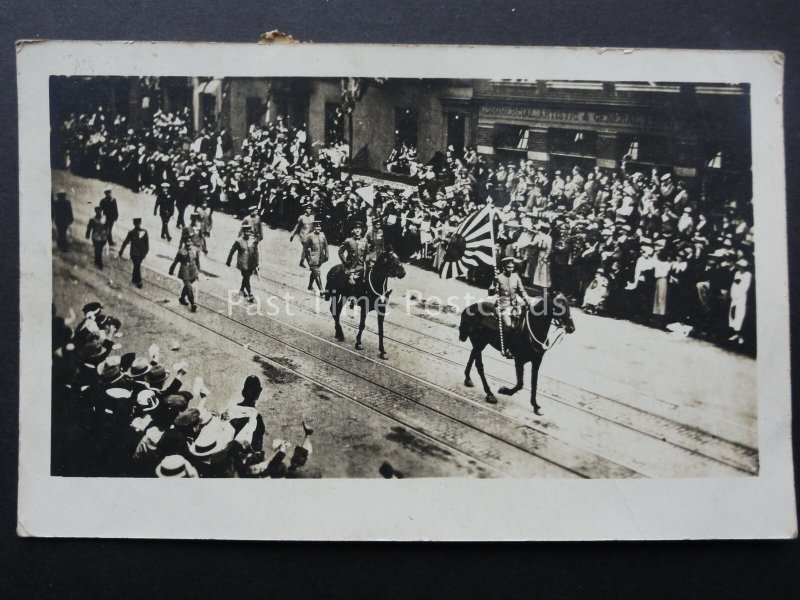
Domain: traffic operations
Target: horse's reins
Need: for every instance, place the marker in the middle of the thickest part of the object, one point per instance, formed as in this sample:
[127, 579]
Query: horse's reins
[385, 293]
[547, 343]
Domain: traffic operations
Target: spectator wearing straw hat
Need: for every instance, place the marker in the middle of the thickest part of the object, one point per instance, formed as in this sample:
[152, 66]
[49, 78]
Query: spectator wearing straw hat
[175, 466]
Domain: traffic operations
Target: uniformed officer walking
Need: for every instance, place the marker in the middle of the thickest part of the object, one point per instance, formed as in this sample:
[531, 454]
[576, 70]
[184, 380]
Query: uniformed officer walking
[97, 231]
[353, 252]
[510, 293]
[316, 254]
[305, 223]
[165, 207]
[253, 221]
[62, 218]
[108, 204]
[140, 246]
[189, 260]
[246, 248]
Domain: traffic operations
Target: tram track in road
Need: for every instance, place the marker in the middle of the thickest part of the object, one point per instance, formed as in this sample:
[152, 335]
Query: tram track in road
[491, 451]
[602, 413]
[584, 461]
[680, 435]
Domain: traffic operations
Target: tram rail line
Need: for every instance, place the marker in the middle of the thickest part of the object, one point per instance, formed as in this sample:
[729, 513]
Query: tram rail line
[450, 431]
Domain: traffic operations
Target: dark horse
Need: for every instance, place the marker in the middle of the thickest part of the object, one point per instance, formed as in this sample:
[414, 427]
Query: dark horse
[528, 341]
[369, 293]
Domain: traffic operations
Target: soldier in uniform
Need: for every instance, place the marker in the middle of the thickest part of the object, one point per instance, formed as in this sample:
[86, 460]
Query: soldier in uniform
[140, 246]
[194, 233]
[165, 208]
[108, 205]
[316, 254]
[97, 231]
[376, 241]
[507, 286]
[305, 223]
[353, 252]
[205, 221]
[62, 217]
[246, 248]
[253, 221]
[189, 261]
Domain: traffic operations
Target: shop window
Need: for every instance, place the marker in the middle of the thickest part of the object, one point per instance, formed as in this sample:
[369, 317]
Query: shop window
[334, 123]
[405, 126]
[511, 137]
[573, 142]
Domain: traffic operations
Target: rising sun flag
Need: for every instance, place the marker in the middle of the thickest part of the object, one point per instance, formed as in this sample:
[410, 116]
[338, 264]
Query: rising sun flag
[472, 244]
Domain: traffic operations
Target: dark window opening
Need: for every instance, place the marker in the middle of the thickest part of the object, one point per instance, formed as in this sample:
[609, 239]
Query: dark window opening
[405, 127]
[334, 123]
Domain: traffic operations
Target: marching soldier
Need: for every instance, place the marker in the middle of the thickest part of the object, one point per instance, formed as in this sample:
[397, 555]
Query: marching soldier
[511, 295]
[97, 231]
[246, 248]
[165, 208]
[140, 246]
[189, 261]
[62, 217]
[253, 221]
[194, 233]
[305, 223]
[108, 205]
[206, 221]
[316, 254]
[353, 252]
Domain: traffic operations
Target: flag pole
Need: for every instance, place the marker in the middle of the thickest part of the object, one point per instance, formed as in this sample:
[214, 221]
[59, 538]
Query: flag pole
[496, 273]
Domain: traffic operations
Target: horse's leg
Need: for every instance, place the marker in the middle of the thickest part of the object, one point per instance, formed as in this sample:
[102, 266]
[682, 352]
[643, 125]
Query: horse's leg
[467, 379]
[479, 364]
[337, 302]
[519, 365]
[362, 323]
[535, 364]
[380, 312]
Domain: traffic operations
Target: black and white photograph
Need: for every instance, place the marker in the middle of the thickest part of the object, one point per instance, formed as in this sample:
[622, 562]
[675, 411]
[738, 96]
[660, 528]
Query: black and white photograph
[342, 275]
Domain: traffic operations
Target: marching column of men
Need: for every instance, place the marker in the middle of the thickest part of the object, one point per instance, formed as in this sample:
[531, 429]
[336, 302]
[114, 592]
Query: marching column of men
[118, 415]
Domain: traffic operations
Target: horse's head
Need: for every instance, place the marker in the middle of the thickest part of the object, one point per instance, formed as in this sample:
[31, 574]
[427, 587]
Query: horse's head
[560, 311]
[388, 263]
[555, 306]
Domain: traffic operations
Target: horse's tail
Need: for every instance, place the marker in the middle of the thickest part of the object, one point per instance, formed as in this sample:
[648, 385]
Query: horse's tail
[330, 282]
[466, 325]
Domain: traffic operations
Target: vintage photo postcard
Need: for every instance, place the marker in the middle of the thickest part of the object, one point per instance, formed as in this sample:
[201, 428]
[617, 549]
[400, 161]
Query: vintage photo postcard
[402, 293]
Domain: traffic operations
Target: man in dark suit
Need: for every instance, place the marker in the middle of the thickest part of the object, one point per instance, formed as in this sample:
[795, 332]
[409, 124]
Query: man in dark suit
[140, 246]
[165, 207]
[108, 205]
[62, 217]
[96, 231]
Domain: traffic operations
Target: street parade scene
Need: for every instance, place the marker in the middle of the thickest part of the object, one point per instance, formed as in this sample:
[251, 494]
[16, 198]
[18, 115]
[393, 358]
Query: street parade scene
[366, 278]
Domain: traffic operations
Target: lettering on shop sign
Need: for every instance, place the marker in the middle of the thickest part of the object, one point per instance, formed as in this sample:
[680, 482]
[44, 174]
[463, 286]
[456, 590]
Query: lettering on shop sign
[577, 117]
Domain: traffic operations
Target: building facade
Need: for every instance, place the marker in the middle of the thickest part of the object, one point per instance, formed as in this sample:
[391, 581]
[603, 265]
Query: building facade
[700, 132]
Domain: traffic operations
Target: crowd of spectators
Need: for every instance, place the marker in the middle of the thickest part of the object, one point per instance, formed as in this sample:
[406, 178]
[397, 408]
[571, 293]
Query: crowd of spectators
[626, 243]
[125, 415]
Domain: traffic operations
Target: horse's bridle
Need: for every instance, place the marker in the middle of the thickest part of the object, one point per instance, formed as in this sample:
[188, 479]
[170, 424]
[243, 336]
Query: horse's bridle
[547, 343]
